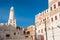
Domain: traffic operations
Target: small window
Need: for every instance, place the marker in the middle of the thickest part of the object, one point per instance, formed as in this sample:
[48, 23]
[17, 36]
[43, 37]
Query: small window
[55, 17]
[45, 29]
[26, 36]
[14, 21]
[52, 19]
[41, 30]
[47, 10]
[14, 33]
[7, 35]
[28, 32]
[10, 20]
[44, 19]
[58, 3]
[54, 6]
[51, 8]
[24, 32]
[42, 37]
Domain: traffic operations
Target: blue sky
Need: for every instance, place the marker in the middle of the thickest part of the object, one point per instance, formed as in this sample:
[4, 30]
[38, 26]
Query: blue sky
[25, 10]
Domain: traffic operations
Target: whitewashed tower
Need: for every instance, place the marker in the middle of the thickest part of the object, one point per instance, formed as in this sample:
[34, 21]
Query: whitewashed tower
[12, 20]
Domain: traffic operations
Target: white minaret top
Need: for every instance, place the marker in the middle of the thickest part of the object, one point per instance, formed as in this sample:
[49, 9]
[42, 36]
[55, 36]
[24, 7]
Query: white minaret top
[12, 20]
[12, 8]
[11, 13]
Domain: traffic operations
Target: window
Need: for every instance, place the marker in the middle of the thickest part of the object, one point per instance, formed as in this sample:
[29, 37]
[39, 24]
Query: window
[14, 21]
[26, 36]
[41, 30]
[24, 32]
[28, 32]
[45, 29]
[44, 19]
[55, 17]
[14, 24]
[10, 20]
[47, 10]
[51, 8]
[14, 33]
[52, 19]
[58, 3]
[42, 37]
[7, 35]
[54, 6]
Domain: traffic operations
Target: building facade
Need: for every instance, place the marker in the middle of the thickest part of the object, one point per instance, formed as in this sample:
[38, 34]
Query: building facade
[31, 31]
[8, 32]
[48, 22]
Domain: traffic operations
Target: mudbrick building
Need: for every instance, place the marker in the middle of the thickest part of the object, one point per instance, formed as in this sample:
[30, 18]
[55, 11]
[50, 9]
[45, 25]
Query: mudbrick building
[9, 31]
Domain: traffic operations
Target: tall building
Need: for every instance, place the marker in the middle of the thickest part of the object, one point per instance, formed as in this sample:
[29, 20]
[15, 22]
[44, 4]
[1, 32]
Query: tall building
[48, 22]
[12, 20]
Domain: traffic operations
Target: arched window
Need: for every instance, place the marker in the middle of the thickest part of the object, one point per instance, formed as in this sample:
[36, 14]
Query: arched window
[58, 3]
[55, 17]
[54, 6]
[52, 19]
[51, 8]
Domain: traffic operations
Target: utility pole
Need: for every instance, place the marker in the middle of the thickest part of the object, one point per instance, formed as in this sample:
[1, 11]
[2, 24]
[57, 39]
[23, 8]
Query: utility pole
[53, 32]
[46, 29]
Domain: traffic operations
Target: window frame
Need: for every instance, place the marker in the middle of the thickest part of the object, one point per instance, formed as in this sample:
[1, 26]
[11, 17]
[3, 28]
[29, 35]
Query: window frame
[58, 3]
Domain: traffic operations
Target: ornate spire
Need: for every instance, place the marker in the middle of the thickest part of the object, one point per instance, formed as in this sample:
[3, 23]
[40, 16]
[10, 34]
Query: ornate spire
[12, 20]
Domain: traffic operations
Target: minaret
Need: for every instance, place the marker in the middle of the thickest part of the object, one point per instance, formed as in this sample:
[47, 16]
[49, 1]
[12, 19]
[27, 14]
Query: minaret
[12, 20]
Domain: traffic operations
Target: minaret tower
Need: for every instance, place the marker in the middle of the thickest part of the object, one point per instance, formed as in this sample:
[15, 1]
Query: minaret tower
[12, 20]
